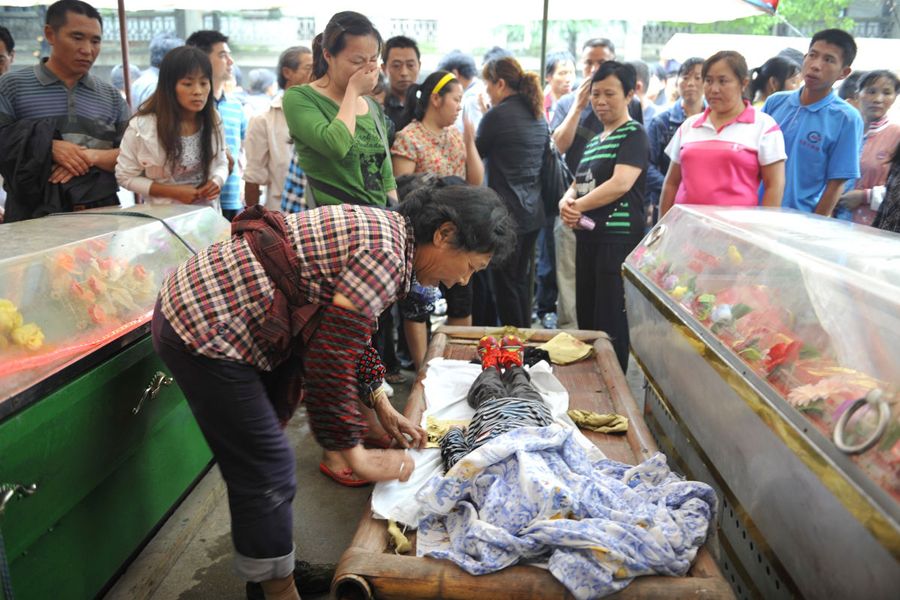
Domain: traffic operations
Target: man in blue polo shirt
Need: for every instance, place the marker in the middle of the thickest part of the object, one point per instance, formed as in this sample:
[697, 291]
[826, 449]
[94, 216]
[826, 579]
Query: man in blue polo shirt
[822, 133]
[60, 127]
[234, 120]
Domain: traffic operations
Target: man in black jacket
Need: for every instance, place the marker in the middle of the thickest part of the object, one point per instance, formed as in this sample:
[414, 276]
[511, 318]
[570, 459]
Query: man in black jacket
[83, 117]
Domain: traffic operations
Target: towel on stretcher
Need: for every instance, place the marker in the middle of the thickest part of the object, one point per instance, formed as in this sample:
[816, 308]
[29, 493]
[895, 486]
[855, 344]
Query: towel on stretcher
[535, 495]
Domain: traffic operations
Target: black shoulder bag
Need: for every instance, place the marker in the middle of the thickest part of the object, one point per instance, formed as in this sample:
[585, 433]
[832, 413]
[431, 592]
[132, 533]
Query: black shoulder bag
[555, 178]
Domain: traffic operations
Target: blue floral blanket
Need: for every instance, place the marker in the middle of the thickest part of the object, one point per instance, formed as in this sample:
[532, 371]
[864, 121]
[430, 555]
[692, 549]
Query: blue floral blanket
[534, 496]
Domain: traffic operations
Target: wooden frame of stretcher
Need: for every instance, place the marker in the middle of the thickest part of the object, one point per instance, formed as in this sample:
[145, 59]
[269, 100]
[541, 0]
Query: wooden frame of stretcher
[370, 569]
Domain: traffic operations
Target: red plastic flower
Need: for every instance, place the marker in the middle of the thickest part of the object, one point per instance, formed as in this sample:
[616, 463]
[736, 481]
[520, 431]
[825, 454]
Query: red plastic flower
[66, 262]
[82, 255]
[80, 293]
[140, 273]
[781, 354]
[97, 314]
[97, 245]
[96, 285]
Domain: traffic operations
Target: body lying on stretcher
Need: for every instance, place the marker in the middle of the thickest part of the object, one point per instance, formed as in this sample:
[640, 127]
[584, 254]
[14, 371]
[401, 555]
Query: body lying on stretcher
[524, 486]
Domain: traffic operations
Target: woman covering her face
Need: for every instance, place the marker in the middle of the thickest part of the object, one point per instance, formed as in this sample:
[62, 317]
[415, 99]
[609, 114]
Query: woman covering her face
[339, 132]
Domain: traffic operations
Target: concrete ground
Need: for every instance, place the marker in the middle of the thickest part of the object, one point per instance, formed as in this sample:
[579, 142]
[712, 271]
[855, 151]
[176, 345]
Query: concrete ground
[190, 557]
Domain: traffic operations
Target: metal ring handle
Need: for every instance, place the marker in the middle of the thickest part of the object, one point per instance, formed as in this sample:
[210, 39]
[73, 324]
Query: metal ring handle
[158, 380]
[655, 235]
[884, 416]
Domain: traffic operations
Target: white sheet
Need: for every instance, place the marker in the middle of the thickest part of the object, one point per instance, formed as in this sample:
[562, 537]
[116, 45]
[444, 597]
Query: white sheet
[446, 384]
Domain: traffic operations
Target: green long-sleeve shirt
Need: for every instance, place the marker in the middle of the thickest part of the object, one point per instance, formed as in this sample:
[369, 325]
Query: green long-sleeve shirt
[356, 164]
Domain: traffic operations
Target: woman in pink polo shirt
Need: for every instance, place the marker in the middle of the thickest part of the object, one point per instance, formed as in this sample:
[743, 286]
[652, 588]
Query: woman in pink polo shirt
[720, 156]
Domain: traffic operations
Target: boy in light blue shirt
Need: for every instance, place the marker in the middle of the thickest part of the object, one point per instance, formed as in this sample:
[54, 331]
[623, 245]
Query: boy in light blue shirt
[822, 133]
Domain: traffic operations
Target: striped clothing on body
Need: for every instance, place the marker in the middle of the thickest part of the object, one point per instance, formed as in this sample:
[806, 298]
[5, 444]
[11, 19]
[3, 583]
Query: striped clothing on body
[91, 114]
[234, 124]
[218, 299]
[502, 403]
[626, 145]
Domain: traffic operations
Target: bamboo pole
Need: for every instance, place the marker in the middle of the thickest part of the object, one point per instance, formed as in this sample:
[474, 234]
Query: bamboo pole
[639, 437]
[123, 40]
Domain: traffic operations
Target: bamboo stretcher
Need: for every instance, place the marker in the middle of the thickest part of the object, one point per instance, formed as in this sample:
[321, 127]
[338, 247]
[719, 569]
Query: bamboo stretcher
[370, 569]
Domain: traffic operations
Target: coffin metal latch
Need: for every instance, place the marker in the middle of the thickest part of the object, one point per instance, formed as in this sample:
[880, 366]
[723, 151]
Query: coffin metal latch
[158, 380]
[8, 491]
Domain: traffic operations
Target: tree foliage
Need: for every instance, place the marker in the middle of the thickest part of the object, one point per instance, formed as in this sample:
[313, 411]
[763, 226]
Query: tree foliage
[806, 15]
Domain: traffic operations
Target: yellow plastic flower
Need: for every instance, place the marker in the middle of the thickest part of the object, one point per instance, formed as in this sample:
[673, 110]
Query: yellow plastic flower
[10, 317]
[679, 292]
[28, 336]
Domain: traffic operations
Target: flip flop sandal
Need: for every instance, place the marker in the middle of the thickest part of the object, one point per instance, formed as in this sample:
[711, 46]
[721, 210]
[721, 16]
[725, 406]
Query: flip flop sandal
[344, 477]
[395, 378]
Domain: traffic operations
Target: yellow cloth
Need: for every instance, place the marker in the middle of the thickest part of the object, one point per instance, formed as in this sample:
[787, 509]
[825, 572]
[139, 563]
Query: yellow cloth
[565, 349]
[401, 542]
[438, 428]
[602, 423]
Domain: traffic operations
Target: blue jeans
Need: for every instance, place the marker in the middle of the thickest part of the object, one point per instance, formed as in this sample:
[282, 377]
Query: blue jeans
[232, 407]
[545, 298]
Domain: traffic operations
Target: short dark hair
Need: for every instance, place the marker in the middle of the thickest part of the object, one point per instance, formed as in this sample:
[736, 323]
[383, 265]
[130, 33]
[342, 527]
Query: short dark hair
[205, 39]
[399, 41]
[495, 53]
[624, 72]
[289, 59]
[260, 80]
[117, 75]
[642, 70]
[56, 13]
[687, 66]
[7, 39]
[839, 38]
[483, 223]
[793, 55]
[459, 61]
[599, 43]
[554, 59]
[849, 88]
[161, 43]
[872, 76]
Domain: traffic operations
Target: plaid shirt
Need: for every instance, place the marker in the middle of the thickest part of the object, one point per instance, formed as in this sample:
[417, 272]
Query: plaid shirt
[292, 198]
[218, 299]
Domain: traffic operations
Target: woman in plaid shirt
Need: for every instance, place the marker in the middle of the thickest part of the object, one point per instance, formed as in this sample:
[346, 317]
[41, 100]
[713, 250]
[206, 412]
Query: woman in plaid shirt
[212, 326]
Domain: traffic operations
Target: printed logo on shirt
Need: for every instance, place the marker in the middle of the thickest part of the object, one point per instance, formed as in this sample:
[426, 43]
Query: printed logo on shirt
[813, 141]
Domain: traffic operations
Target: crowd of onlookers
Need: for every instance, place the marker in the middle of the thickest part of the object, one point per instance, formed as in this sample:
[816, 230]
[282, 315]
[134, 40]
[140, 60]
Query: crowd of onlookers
[637, 139]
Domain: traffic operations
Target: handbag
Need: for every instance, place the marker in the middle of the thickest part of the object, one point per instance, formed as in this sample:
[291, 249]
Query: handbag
[555, 178]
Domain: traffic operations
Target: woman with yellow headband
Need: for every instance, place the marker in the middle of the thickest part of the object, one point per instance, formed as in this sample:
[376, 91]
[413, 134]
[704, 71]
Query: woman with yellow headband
[432, 144]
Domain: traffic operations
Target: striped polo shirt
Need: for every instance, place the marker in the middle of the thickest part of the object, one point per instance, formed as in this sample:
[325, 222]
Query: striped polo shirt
[234, 122]
[91, 114]
[724, 166]
[624, 217]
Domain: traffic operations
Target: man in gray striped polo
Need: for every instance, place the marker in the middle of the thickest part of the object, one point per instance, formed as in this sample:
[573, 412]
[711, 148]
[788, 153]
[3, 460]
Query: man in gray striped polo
[60, 127]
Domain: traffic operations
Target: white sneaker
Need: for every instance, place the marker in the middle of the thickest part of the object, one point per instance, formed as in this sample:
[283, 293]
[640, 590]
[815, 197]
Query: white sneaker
[387, 389]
